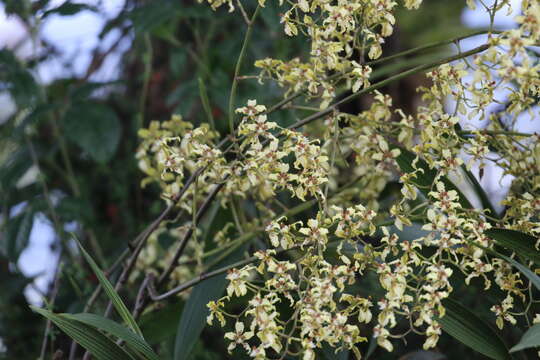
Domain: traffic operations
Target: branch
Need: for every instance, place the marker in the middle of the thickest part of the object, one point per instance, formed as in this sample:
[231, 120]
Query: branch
[297, 94]
[200, 213]
[237, 69]
[431, 46]
[204, 276]
[385, 82]
[54, 293]
[291, 212]
[139, 242]
[141, 239]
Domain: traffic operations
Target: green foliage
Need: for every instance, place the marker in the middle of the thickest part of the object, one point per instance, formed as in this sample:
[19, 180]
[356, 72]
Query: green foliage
[469, 329]
[95, 128]
[112, 294]
[161, 325]
[18, 234]
[194, 314]
[519, 242]
[88, 337]
[16, 78]
[133, 341]
[530, 339]
[69, 8]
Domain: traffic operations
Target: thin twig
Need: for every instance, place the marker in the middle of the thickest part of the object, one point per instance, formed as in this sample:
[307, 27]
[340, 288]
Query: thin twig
[54, 292]
[204, 276]
[241, 57]
[299, 93]
[139, 243]
[148, 59]
[385, 82]
[200, 213]
[430, 46]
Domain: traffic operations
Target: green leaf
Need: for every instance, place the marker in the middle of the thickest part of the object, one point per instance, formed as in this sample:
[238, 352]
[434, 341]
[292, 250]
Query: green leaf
[183, 96]
[161, 324]
[424, 355]
[484, 199]
[17, 80]
[17, 7]
[69, 8]
[469, 329]
[424, 180]
[14, 167]
[132, 340]
[111, 293]
[83, 91]
[203, 93]
[178, 60]
[18, 234]
[329, 353]
[147, 17]
[530, 339]
[195, 311]
[372, 347]
[89, 338]
[519, 242]
[95, 128]
[74, 209]
[38, 114]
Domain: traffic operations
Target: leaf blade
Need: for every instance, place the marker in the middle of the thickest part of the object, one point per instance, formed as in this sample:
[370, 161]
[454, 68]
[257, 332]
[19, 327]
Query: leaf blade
[530, 339]
[535, 280]
[134, 341]
[193, 319]
[18, 234]
[89, 338]
[466, 327]
[95, 128]
[519, 242]
[484, 199]
[111, 293]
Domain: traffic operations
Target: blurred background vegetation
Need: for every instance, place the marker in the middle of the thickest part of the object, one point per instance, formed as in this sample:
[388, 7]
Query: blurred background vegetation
[67, 151]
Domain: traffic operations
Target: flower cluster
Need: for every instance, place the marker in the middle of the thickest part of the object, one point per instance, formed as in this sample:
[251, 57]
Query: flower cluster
[337, 31]
[376, 176]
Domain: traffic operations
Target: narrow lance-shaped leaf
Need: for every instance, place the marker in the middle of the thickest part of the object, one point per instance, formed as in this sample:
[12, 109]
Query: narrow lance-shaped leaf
[111, 293]
[193, 319]
[329, 353]
[372, 347]
[484, 199]
[161, 324]
[530, 339]
[132, 340]
[89, 338]
[206, 104]
[519, 242]
[469, 329]
[194, 315]
[195, 311]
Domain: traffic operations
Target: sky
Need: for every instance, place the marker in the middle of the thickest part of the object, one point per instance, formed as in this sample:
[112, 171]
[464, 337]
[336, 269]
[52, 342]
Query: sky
[76, 36]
